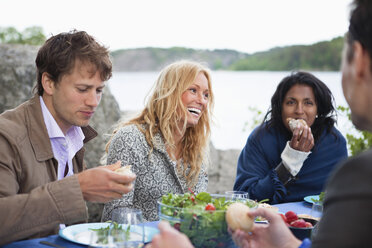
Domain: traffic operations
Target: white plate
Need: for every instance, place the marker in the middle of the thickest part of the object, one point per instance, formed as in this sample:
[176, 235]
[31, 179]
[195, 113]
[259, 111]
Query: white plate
[81, 233]
[310, 198]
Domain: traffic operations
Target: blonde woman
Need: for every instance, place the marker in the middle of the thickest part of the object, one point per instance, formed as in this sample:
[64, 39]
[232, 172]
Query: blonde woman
[167, 143]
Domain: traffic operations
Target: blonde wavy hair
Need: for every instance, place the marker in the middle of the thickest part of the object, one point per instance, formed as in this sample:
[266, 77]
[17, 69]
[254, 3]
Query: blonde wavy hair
[164, 111]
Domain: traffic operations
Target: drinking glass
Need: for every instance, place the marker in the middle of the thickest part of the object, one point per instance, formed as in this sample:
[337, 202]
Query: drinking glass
[133, 233]
[317, 210]
[316, 213]
[237, 195]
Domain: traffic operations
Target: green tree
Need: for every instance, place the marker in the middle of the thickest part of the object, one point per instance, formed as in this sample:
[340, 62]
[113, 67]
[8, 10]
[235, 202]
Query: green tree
[31, 35]
[356, 143]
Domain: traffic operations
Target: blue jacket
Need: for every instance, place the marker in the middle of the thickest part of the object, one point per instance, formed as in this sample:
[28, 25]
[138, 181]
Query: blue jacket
[261, 154]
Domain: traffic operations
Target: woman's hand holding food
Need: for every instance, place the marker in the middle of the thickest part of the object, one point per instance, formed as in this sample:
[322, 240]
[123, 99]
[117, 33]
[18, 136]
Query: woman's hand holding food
[302, 139]
[274, 234]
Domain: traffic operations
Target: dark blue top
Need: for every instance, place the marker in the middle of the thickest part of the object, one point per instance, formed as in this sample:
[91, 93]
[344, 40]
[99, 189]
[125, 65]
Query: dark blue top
[261, 154]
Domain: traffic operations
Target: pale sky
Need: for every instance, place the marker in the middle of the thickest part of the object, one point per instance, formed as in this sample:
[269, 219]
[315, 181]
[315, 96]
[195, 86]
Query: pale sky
[243, 25]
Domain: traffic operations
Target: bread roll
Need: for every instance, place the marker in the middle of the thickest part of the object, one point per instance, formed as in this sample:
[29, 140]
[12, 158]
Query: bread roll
[237, 217]
[293, 123]
[124, 170]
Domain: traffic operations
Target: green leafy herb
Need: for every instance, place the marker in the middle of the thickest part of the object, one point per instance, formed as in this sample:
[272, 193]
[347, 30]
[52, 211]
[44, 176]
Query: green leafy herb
[103, 232]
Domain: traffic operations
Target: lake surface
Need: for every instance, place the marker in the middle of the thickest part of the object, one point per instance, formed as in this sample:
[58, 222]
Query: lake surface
[236, 93]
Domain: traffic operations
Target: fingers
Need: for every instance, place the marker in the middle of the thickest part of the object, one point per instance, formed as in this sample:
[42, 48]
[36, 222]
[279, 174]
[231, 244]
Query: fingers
[303, 142]
[115, 166]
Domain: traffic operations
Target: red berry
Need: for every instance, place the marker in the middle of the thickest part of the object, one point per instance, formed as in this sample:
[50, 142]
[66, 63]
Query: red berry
[177, 226]
[308, 224]
[210, 207]
[299, 223]
[291, 216]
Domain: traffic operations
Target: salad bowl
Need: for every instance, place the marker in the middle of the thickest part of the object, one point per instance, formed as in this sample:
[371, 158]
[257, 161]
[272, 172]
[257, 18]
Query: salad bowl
[201, 217]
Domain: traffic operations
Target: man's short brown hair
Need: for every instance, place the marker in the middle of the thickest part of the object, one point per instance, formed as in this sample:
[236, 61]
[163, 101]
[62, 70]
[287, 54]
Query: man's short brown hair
[59, 53]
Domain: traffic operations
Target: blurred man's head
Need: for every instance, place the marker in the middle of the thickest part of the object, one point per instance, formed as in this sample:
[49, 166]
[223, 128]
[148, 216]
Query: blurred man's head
[357, 66]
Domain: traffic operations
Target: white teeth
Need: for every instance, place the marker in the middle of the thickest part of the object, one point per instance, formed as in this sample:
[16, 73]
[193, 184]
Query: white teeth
[194, 111]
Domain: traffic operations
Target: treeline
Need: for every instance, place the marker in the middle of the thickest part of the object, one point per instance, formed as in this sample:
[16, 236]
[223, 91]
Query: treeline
[31, 36]
[322, 56]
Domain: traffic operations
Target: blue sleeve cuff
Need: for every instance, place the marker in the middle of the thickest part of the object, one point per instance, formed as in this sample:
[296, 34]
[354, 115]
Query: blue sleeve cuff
[306, 243]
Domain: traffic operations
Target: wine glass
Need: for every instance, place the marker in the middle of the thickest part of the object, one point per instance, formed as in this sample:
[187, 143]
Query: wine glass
[237, 195]
[132, 232]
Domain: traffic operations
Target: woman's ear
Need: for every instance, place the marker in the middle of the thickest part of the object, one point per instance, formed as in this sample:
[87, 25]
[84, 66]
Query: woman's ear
[48, 83]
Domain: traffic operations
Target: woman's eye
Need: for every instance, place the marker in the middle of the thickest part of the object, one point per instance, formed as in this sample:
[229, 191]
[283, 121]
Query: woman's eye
[206, 95]
[309, 103]
[192, 90]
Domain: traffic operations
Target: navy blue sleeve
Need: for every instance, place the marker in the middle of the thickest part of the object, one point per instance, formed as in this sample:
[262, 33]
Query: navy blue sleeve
[256, 174]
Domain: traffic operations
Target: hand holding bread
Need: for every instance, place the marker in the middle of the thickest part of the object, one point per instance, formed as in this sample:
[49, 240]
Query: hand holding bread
[237, 217]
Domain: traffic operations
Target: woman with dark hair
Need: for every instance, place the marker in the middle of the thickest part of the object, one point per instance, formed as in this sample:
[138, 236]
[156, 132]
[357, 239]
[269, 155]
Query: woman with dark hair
[283, 162]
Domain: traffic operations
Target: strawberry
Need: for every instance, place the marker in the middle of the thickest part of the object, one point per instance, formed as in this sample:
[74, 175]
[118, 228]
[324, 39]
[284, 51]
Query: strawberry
[308, 224]
[291, 216]
[299, 223]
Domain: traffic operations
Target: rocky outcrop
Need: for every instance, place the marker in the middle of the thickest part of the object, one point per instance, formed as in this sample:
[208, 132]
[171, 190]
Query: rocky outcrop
[17, 78]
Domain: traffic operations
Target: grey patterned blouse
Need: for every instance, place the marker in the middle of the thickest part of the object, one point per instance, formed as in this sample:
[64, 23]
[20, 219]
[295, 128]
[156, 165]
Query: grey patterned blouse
[157, 175]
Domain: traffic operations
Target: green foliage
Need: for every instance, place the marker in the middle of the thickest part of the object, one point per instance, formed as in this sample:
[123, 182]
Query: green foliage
[356, 143]
[31, 36]
[257, 119]
[323, 56]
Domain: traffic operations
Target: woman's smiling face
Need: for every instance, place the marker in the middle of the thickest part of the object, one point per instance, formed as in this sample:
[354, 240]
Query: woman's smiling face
[195, 99]
[299, 103]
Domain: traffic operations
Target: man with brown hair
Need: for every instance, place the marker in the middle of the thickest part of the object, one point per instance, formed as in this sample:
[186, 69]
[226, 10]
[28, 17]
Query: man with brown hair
[42, 182]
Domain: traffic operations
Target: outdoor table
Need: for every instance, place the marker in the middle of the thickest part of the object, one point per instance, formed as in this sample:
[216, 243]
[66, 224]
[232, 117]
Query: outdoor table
[298, 207]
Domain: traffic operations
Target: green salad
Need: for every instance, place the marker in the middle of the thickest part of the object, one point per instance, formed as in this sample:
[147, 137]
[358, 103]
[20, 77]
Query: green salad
[201, 217]
[103, 232]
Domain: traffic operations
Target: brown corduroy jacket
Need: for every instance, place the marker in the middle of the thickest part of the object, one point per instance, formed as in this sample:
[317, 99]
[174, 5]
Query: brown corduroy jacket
[32, 202]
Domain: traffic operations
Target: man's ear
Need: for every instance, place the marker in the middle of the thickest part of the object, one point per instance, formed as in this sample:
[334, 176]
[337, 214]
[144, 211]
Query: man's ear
[48, 83]
[362, 61]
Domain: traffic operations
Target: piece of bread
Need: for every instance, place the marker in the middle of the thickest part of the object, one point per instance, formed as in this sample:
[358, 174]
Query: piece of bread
[293, 123]
[268, 206]
[124, 170]
[237, 217]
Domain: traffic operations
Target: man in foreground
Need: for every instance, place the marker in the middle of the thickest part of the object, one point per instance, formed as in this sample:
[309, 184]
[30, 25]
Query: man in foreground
[42, 182]
[347, 215]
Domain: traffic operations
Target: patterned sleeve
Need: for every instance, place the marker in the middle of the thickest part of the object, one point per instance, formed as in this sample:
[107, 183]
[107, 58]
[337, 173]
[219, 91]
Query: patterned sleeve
[121, 149]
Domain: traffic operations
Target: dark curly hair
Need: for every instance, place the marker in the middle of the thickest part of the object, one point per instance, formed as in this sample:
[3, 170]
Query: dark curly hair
[59, 53]
[323, 98]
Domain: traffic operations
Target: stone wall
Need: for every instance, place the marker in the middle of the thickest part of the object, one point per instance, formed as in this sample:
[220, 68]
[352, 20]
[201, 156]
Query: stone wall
[17, 78]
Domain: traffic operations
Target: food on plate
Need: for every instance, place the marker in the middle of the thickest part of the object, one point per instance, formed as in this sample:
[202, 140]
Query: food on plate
[294, 220]
[294, 123]
[268, 206]
[124, 170]
[307, 216]
[102, 234]
[237, 217]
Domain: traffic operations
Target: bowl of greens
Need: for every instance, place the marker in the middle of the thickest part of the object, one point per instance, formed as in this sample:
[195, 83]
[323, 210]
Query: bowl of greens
[200, 216]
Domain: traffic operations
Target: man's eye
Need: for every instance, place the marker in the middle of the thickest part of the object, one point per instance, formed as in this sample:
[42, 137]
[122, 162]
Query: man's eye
[82, 89]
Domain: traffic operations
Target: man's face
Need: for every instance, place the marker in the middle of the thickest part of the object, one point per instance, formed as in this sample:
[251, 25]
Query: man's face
[75, 98]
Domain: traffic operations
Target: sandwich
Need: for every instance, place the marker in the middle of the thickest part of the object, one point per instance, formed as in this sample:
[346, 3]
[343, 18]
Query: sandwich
[237, 217]
[124, 170]
[294, 123]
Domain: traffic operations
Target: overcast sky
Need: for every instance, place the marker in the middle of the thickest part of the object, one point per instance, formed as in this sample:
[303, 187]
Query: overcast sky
[243, 25]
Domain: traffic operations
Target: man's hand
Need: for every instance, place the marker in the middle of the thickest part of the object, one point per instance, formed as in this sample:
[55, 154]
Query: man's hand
[169, 238]
[102, 184]
[274, 234]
